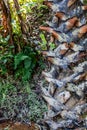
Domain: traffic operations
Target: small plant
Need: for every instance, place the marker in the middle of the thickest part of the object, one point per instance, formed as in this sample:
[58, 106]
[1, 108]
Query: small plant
[52, 46]
[44, 42]
[25, 62]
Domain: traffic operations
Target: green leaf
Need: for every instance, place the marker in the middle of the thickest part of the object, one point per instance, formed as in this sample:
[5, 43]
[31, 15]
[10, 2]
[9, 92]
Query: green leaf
[43, 38]
[18, 59]
[7, 38]
[27, 63]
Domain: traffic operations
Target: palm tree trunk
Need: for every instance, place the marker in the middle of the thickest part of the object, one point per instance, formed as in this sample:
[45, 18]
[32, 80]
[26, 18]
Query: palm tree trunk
[66, 95]
[24, 28]
[6, 17]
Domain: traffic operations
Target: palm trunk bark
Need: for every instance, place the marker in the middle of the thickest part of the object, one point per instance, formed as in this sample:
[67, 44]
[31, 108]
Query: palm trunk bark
[67, 90]
[24, 28]
[6, 19]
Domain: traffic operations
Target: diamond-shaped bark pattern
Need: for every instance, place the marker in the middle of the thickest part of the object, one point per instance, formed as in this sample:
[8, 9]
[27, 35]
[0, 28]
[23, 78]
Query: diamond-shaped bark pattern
[66, 95]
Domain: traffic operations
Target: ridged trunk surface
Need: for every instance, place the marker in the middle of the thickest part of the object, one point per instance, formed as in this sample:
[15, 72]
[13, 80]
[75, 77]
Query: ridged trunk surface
[66, 94]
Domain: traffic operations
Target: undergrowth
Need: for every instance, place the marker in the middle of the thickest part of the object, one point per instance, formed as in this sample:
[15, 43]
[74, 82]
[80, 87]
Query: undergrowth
[21, 65]
[20, 60]
[19, 102]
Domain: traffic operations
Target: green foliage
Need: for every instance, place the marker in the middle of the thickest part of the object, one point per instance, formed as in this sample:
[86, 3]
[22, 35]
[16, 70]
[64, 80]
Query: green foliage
[18, 101]
[41, 63]
[37, 107]
[4, 40]
[25, 62]
[21, 64]
[6, 55]
[5, 62]
[52, 46]
[44, 42]
[16, 97]
[26, 7]
[21, 60]
[85, 1]
[5, 89]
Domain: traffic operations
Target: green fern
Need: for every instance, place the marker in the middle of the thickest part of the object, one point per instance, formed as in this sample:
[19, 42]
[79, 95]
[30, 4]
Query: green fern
[24, 63]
